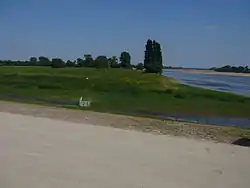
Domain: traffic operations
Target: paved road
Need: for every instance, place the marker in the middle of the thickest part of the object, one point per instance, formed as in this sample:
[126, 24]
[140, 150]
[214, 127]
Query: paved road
[44, 153]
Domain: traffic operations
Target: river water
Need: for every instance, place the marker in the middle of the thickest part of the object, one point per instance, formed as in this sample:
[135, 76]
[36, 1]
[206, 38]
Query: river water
[233, 84]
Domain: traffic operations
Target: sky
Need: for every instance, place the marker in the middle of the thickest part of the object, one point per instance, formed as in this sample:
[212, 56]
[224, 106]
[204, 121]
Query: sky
[192, 33]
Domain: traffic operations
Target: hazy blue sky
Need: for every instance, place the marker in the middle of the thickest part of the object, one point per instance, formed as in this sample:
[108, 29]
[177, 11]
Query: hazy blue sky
[193, 33]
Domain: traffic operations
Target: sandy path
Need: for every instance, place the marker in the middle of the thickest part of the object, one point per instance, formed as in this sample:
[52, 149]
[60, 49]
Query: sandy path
[39, 152]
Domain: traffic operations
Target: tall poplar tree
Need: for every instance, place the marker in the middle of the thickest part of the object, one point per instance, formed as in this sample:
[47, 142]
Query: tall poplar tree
[153, 57]
[148, 56]
[157, 58]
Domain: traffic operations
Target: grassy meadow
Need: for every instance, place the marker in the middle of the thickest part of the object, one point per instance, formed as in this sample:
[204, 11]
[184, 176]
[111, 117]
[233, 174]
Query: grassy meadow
[120, 90]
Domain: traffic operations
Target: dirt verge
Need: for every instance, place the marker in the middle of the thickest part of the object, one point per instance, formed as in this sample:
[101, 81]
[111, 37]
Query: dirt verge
[156, 126]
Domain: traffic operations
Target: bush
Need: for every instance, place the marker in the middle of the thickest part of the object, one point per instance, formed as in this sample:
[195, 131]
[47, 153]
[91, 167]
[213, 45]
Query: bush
[139, 66]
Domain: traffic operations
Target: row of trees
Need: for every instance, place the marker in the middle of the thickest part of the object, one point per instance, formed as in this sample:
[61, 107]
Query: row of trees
[228, 68]
[152, 60]
[88, 61]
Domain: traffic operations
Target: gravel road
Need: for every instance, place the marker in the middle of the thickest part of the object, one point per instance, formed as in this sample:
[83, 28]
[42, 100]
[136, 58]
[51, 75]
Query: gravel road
[39, 152]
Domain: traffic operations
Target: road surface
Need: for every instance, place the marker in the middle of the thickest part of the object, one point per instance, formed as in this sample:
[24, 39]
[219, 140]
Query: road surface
[40, 152]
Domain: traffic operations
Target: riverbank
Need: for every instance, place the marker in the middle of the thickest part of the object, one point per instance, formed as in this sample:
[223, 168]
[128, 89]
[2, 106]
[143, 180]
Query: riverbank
[156, 126]
[192, 71]
[119, 91]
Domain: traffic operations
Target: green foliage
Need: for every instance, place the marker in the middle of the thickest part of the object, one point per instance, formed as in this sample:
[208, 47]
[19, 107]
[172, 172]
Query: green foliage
[33, 60]
[153, 57]
[17, 63]
[44, 61]
[148, 57]
[101, 62]
[157, 57]
[80, 62]
[113, 62]
[70, 63]
[57, 63]
[139, 66]
[89, 62]
[152, 62]
[125, 60]
[229, 68]
[121, 90]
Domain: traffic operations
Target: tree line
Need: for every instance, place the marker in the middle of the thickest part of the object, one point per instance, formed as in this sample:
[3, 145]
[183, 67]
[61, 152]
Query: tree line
[228, 68]
[152, 60]
[99, 62]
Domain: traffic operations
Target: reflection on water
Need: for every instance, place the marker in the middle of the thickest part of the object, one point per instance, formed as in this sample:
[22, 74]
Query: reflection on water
[233, 84]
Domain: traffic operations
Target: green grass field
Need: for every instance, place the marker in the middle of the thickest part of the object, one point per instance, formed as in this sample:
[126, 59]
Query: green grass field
[120, 90]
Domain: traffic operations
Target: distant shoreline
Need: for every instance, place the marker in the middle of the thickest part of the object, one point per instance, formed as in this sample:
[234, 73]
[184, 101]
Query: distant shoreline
[193, 71]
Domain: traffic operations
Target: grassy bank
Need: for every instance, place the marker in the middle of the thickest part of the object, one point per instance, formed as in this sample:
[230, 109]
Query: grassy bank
[120, 90]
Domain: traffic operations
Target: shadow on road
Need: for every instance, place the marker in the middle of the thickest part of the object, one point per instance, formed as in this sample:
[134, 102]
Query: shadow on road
[242, 142]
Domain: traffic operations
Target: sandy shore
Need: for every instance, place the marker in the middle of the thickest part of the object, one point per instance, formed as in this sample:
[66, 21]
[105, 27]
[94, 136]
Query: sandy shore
[51, 153]
[209, 72]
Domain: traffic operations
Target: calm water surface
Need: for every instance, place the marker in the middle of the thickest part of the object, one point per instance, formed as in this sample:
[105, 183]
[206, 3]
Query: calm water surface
[233, 84]
[226, 83]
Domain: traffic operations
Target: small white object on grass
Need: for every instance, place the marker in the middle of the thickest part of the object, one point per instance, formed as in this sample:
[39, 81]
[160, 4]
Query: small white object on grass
[84, 103]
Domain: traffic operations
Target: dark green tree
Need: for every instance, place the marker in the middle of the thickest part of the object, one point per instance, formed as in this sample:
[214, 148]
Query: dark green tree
[70, 63]
[44, 61]
[148, 56]
[80, 62]
[153, 57]
[33, 61]
[113, 62]
[157, 57]
[229, 68]
[125, 60]
[88, 62]
[101, 62]
[57, 63]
